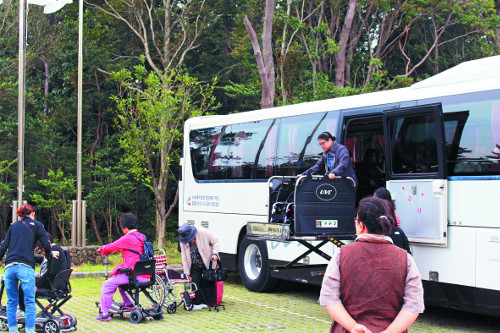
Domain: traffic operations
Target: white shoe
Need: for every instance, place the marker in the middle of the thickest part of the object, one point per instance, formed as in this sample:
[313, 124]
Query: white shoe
[197, 307]
[204, 306]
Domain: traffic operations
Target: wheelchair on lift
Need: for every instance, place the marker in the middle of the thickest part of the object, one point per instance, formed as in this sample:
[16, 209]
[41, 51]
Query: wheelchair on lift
[154, 290]
[311, 210]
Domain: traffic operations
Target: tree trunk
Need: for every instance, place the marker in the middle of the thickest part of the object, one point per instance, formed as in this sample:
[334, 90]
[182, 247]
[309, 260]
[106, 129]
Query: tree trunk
[340, 56]
[265, 60]
[46, 86]
[96, 229]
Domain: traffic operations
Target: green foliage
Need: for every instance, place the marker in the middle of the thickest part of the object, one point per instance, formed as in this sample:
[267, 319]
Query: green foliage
[151, 117]
[6, 174]
[57, 189]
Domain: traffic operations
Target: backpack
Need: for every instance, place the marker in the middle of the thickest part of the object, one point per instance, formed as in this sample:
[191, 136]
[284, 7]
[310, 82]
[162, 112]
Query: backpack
[149, 251]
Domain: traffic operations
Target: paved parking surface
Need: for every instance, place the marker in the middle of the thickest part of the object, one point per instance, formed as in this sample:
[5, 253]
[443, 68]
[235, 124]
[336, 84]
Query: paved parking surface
[244, 312]
[293, 309]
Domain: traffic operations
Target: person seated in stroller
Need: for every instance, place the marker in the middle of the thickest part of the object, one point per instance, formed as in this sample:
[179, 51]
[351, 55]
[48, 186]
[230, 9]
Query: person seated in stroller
[132, 240]
[198, 247]
[44, 278]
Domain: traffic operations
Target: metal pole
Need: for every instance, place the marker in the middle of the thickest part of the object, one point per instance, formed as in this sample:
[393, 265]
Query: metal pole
[73, 223]
[79, 220]
[20, 105]
[84, 225]
[14, 209]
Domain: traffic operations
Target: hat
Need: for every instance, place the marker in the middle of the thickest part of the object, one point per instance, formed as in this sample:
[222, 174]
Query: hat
[187, 233]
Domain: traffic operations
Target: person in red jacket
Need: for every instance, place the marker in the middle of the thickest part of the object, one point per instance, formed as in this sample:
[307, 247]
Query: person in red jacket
[133, 240]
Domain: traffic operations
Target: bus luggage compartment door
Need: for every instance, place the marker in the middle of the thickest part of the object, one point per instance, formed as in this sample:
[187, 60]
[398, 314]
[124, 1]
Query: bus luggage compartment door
[325, 206]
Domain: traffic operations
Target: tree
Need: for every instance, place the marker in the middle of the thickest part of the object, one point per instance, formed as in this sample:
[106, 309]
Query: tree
[265, 61]
[6, 193]
[56, 197]
[166, 32]
[151, 114]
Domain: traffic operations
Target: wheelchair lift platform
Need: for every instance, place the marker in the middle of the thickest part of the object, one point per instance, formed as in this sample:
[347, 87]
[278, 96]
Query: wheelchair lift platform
[311, 210]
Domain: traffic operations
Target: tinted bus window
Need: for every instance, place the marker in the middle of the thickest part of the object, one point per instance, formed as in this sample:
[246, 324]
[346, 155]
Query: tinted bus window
[266, 156]
[414, 144]
[245, 143]
[298, 148]
[473, 136]
[208, 160]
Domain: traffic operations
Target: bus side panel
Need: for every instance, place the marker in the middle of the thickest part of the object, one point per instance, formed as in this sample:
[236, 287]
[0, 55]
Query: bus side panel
[488, 258]
[215, 223]
[473, 202]
[451, 264]
[247, 198]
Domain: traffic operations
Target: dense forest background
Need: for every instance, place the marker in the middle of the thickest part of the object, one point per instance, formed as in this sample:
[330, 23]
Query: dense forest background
[151, 64]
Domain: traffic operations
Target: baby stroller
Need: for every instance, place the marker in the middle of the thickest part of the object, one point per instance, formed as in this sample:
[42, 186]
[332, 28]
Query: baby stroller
[50, 319]
[179, 289]
[153, 289]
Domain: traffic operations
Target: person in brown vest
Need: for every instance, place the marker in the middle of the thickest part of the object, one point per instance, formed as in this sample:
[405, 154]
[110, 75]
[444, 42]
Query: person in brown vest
[372, 285]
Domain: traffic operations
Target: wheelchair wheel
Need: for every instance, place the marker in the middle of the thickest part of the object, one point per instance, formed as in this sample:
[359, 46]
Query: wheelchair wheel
[51, 326]
[158, 291]
[172, 308]
[135, 317]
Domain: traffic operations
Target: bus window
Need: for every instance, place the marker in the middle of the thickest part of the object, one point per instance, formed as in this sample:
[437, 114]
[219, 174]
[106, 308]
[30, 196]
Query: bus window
[207, 159]
[200, 145]
[413, 144]
[245, 142]
[298, 149]
[453, 127]
[475, 148]
[264, 161]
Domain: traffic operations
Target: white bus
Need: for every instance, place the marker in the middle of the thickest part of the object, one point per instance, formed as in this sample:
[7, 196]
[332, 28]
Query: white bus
[440, 144]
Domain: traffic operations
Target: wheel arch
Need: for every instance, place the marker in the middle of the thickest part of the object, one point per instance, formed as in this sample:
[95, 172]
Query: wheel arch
[242, 233]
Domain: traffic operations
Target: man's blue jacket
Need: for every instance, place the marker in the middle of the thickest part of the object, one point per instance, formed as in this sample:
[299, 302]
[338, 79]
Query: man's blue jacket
[341, 163]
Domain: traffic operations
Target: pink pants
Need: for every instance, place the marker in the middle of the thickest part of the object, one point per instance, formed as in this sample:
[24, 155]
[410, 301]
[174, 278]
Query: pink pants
[109, 288]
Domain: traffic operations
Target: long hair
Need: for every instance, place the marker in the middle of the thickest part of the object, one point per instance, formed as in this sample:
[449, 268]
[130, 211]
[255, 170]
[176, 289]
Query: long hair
[375, 215]
[25, 211]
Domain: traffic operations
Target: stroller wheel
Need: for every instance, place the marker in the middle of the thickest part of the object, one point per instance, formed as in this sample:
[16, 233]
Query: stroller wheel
[158, 316]
[135, 317]
[3, 325]
[72, 319]
[51, 326]
[172, 308]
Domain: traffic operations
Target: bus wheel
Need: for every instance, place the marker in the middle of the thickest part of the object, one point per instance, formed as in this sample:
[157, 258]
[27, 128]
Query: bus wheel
[254, 266]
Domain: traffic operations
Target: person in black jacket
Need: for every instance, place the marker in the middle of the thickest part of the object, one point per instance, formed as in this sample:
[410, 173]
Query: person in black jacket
[44, 278]
[397, 235]
[20, 241]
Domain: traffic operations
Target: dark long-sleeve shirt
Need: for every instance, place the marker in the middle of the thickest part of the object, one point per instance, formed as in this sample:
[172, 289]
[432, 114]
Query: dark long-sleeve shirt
[20, 241]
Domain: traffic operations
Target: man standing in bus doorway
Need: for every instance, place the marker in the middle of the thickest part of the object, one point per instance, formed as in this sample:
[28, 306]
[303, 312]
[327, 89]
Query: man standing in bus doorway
[335, 160]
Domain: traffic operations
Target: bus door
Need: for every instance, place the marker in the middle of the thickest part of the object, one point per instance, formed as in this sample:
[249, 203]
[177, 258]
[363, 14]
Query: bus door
[416, 171]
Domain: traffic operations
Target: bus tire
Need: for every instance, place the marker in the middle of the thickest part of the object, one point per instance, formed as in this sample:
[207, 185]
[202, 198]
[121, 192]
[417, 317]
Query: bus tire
[253, 262]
